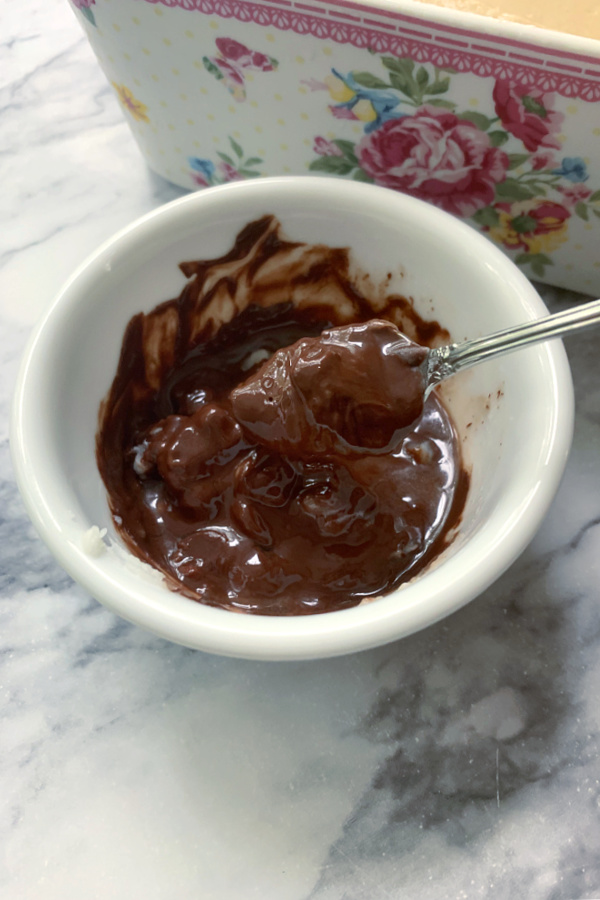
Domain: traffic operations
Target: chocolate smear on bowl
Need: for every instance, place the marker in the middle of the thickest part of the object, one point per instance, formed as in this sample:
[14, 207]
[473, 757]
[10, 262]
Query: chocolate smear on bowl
[271, 496]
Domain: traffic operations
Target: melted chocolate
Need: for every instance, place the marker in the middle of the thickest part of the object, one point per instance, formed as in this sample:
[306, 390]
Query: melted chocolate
[353, 390]
[299, 484]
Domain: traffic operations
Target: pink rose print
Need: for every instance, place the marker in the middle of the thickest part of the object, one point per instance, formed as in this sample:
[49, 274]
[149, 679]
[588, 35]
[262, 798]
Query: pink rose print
[83, 4]
[412, 141]
[574, 193]
[342, 112]
[435, 156]
[326, 148]
[229, 172]
[543, 159]
[527, 113]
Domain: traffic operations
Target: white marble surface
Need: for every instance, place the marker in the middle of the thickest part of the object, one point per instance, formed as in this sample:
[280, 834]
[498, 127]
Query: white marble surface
[460, 763]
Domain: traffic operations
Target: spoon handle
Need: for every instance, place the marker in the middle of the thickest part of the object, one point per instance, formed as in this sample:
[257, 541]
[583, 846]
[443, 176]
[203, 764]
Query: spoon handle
[447, 361]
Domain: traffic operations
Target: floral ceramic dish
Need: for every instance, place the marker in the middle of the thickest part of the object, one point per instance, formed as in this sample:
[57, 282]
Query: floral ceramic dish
[492, 121]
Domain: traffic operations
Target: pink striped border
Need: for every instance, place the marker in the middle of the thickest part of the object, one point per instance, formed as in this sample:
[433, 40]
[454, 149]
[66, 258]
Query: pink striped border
[398, 34]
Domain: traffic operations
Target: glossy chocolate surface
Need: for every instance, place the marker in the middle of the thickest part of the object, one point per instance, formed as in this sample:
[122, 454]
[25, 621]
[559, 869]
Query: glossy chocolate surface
[265, 463]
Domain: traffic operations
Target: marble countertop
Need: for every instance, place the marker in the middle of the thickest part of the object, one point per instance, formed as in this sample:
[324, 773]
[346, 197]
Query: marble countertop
[460, 763]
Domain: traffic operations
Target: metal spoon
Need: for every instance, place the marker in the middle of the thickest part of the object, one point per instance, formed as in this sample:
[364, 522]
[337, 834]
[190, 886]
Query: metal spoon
[442, 362]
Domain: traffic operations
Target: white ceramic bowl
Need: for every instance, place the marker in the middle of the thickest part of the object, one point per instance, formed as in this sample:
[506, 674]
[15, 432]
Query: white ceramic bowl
[515, 415]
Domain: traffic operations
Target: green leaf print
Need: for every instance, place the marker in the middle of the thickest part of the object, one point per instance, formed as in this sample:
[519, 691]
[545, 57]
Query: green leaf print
[523, 224]
[534, 106]
[513, 190]
[517, 159]
[367, 80]
[422, 78]
[333, 165]
[536, 261]
[347, 148]
[403, 84]
[497, 138]
[444, 104]
[439, 86]
[401, 75]
[210, 67]
[482, 122]
[487, 217]
[236, 148]
[401, 66]
[88, 14]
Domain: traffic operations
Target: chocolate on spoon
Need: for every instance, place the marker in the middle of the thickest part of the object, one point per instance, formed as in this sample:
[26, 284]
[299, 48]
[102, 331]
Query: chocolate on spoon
[361, 388]
[354, 389]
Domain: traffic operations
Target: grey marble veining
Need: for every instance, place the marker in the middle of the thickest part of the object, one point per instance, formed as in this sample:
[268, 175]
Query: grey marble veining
[460, 763]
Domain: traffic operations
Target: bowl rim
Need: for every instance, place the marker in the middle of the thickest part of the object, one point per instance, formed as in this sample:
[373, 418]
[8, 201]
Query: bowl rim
[492, 26]
[172, 616]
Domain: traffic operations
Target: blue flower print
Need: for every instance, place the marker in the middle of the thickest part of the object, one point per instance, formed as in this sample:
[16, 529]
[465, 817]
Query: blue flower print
[371, 106]
[573, 168]
[204, 166]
